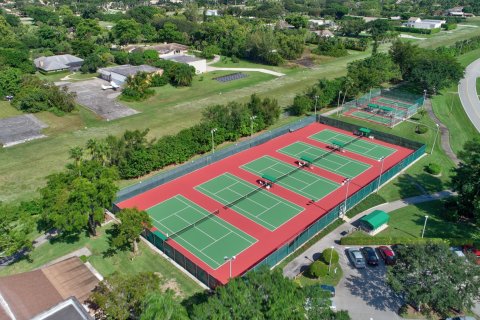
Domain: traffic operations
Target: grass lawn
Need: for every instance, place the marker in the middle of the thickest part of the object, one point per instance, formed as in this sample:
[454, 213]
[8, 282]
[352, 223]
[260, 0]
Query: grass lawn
[405, 185]
[226, 62]
[408, 222]
[446, 38]
[147, 260]
[71, 76]
[331, 279]
[7, 111]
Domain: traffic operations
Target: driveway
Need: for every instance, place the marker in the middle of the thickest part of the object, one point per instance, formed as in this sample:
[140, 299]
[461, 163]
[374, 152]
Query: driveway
[467, 91]
[364, 293]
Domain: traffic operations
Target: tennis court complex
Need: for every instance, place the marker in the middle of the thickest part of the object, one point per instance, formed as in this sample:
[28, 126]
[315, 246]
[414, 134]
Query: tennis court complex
[300, 181]
[194, 228]
[355, 145]
[328, 160]
[264, 208]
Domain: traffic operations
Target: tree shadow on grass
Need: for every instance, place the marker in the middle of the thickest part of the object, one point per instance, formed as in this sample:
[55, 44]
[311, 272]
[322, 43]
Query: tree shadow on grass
[68, 237]
[113, 247]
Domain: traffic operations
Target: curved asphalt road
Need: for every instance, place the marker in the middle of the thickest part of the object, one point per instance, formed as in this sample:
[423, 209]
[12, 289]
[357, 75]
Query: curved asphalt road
[467, 91]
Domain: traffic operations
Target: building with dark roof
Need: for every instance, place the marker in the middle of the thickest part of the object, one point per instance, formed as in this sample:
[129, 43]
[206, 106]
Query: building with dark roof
[64, 62]
[25, 296]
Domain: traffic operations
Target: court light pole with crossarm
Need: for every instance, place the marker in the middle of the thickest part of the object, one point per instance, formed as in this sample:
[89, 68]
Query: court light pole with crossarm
[424, 225]
[435, 139]
[213, 141]
[316, 101]
[252, 118]
[230, 261]
[381, 172]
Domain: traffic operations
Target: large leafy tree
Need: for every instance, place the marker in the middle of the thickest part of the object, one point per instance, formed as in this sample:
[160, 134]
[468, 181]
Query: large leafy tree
[163, 306]
[75, 199]
[432, 278]
[466, 180]
[15, 225]
[126, 31]
[379, 30]
[127, 233]
[122, 297]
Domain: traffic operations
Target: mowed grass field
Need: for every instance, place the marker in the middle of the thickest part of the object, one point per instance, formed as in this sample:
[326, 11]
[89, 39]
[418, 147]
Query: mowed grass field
[123, 261]
[23, 168]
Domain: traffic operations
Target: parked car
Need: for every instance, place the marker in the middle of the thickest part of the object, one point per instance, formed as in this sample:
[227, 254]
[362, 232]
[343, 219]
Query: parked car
[472, 250]
[458, 251]
[387, 255]
[326, 287]
[461, 318]
[356, 257]
[370, 256]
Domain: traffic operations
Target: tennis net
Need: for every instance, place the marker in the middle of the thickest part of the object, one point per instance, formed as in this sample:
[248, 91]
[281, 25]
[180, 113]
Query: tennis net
[211, 214]
[231, 204]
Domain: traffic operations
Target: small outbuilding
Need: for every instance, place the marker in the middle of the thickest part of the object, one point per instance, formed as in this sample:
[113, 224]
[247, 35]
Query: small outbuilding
[375, 221]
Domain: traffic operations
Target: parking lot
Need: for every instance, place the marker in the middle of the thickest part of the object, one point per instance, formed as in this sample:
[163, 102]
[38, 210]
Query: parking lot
[364, 292]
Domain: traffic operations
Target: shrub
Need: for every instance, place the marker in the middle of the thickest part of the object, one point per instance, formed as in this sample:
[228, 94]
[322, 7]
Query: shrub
[433, 168]
[318, 269]
[158, 80]
[421, 129]
[449, 26]
[235, 59]
[330, 252]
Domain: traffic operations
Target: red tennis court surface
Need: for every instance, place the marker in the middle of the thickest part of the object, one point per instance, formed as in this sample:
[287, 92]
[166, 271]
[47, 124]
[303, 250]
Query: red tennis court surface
[267, 240]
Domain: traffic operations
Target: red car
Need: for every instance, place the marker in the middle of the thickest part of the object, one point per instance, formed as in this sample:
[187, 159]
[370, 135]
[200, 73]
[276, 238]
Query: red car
[387, 255]
[472, 249]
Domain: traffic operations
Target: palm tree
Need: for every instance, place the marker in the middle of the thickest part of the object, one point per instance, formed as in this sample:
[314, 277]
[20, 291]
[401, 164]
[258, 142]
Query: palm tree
[76, 153]
[163, 306]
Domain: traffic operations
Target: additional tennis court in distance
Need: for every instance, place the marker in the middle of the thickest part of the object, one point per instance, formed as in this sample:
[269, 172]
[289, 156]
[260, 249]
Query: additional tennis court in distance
[211, 239]
[395, 103]
[328, 160]
[371, 117]
[266, 209]
[301, 181]
[359, 146]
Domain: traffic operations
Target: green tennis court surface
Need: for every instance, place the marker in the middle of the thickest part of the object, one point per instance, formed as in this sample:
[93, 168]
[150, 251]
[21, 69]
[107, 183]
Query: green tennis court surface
[301, 181]
[210, 239]
[371, 117]
[330, 161]
[395, 103]
[266, 209]
[362, 147]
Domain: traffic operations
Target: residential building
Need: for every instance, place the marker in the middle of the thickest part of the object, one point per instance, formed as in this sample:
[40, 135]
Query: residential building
[212, 13]
[58, 291]
[119, 74]
[163, 49]
[415, 22]
[64, 62]
[199, 64]
[315, 23]
[324, 33]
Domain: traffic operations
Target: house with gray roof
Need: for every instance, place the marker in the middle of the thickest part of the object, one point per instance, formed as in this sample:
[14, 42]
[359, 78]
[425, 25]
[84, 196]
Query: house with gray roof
[64, 62]
[119, 74]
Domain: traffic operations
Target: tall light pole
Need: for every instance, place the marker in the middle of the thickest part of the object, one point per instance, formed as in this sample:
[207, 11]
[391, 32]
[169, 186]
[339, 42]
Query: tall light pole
[213, 140]
[338, 99]
[230, 261]
[346, 181]
[316, 101]
[330, 264]
[424, 225]
[381, 172]
[252, 118]
[424, 97]
[435, 140]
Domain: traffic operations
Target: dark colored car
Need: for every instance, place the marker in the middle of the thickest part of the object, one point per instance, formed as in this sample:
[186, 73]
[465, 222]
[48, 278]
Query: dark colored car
[370, 256]
[387, 255]
[326, 287]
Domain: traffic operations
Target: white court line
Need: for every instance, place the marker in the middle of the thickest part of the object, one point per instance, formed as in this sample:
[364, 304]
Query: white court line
[215, 241]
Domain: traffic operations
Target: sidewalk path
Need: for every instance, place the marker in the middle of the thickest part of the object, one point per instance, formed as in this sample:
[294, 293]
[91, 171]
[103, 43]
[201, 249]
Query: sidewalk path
[300, 263]
[444, 133]
[467, 90]
[216, 58]
[273, 73]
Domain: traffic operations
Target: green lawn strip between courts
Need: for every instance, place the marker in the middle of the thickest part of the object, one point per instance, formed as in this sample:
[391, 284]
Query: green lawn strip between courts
[199, 231]
[260, 206]
[359, 146]
[106, 264]
[301, 181]
[327, 160]
[370, 117]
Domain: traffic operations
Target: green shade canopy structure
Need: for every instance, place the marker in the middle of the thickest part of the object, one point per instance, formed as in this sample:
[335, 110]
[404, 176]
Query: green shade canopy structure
[388, 109]
[269, 177]
[373, 106]
[160, 235]
[307, 159]
[365, 130]
[376, 219]
[338, 143]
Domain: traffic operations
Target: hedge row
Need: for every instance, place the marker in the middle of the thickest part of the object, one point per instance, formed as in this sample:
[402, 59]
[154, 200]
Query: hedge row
[368, 240]
[415, 30]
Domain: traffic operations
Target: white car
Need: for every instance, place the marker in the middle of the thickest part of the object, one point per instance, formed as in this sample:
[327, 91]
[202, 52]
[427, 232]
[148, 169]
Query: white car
[356, 257]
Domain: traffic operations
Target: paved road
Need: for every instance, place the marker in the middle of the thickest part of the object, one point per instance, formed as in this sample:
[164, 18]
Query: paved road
[467, 91]
[274, 73]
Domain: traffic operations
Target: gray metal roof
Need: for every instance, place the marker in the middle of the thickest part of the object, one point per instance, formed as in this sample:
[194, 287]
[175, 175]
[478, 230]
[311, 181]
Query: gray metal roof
[129, 70]
[56, 62]
[183, 58]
